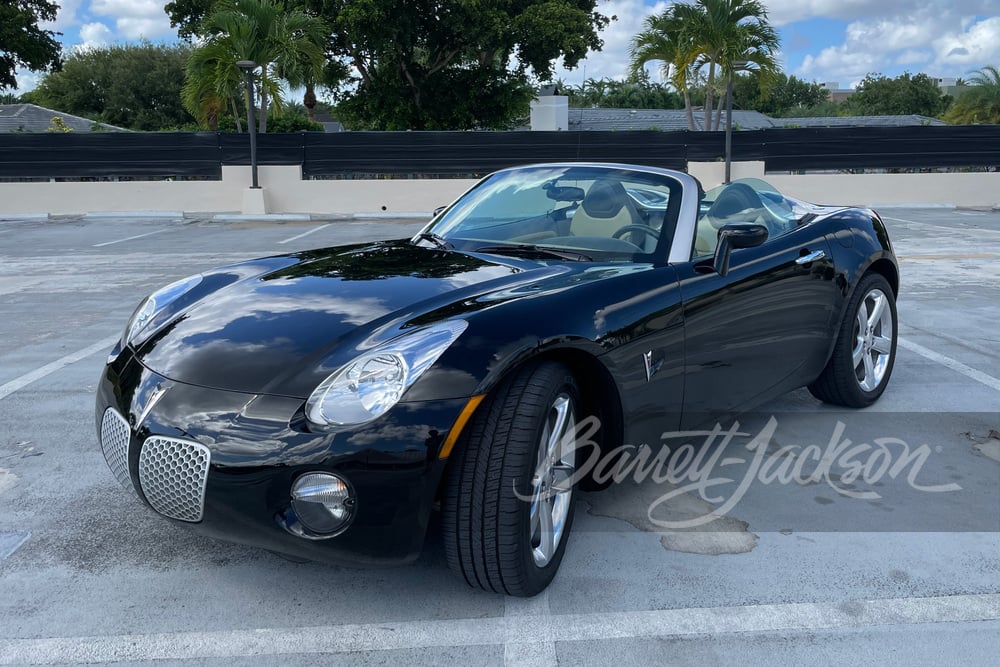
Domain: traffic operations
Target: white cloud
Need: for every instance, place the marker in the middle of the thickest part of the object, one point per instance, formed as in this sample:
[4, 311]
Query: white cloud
[135, 19]
[934, 37]
[913, 57]
[612, 61]
[66, 16]
[788, 11]
[971, 48]
[26, 81]
[95, 35]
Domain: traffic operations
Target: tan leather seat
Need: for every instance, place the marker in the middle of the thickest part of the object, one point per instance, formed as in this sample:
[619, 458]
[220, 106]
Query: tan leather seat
[605, 209]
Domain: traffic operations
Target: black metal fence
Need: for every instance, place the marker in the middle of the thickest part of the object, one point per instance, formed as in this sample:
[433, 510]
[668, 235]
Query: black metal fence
[201, 155]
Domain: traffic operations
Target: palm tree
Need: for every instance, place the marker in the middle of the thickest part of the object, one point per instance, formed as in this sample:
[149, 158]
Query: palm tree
[723, 32]
[279, 40]
[980, 103]
[664, 39]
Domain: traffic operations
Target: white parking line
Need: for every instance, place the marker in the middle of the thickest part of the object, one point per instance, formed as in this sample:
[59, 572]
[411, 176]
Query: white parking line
[957, 366]
[37, 374]
[596, 626]
[535, 653]
[131, 238]
[952, 229]
[311, 231]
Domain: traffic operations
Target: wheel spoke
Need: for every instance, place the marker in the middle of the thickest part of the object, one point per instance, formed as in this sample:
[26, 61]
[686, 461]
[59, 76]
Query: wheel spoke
[869, 382]
[863, 317]
[563, 417]
[876, 313]
[545, 527]
[859, 352]
[563, 474]
[882, 345]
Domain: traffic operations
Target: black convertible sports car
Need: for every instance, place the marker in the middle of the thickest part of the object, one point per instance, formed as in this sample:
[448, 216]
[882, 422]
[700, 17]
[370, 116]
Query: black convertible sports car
[325, 404]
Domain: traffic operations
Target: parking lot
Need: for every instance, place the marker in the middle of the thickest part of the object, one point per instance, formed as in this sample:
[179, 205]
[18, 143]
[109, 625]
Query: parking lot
[905, 566]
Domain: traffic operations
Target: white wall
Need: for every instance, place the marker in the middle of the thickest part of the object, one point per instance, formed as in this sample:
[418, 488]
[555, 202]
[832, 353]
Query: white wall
[284, 191]
[973, 190]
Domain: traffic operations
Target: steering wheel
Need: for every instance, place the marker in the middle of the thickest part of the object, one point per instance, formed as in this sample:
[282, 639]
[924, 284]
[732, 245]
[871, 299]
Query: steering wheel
[655, 233]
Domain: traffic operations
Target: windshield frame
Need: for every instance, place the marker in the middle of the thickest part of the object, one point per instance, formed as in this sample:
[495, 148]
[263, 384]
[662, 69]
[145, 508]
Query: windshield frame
[675, 185]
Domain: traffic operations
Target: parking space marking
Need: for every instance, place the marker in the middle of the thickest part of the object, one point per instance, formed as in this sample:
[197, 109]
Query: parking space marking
[595, 626]
[37, 374]
[131, 238]
[303, 234]
[951, 229]
[957, 366]
[534, 653]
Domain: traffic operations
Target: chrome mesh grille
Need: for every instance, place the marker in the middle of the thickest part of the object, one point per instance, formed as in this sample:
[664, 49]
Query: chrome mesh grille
[115, 438]
[172, 474]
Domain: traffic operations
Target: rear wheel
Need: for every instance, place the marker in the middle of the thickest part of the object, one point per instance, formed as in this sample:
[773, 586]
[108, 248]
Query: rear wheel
[508, 503]
[863, 357]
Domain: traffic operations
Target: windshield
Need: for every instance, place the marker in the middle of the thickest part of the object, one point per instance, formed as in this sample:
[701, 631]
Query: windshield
[574, 212]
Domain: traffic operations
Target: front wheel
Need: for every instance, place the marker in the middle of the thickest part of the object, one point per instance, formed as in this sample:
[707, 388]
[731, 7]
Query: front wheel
[508, 501]
[862, 360]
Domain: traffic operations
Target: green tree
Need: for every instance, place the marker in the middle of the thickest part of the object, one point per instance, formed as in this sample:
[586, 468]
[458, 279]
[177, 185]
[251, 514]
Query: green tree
[137, 86]
[433, 64]
[980, 104]
[722, 36]
[22, 43]
[665, 40]
[614, 94]
[878, 95]
[452, 64]
[279, 39]
[784, 96]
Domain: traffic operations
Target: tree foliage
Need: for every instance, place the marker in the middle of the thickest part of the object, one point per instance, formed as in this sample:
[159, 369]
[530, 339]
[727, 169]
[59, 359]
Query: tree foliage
[137, 86]
[23, 44]
[452, 64]
[285, 43]
[878, 95]
[980, 104]
[783, 96]
[616, 94]
[435, 64]
[720, 36]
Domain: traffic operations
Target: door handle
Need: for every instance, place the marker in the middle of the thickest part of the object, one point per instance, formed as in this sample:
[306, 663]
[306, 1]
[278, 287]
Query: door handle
[811, 257]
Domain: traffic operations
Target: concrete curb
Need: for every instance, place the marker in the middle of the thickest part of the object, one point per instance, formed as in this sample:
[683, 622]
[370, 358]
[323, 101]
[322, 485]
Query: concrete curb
[262, 217]
[385, 215]
[14, 217]
[133, 214]
[930, 206]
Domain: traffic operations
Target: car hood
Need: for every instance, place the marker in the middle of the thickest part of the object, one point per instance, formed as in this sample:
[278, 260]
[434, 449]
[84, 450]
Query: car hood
[282, 331]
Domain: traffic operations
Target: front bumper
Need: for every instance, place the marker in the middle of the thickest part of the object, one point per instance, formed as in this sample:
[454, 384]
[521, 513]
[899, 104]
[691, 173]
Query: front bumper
[255, 447]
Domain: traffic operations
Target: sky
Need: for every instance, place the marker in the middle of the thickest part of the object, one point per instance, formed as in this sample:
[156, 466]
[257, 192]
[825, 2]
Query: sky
[828, 41]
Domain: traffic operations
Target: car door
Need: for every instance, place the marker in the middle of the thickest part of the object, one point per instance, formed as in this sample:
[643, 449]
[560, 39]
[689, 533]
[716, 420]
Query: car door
[753, 332]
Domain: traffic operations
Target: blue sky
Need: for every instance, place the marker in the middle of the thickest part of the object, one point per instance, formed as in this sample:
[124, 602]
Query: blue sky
[822, 40]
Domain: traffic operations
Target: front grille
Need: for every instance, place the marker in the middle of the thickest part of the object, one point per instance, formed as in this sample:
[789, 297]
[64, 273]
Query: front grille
[173, 474]
[115, 438]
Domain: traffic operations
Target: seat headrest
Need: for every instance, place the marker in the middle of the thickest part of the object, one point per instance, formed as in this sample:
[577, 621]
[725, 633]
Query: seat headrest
[605, 199]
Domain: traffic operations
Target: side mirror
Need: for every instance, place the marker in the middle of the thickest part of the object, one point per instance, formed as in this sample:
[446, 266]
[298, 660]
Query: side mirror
[437, 211]
[735, 235]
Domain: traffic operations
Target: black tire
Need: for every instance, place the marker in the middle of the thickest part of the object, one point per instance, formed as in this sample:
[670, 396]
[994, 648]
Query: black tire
[839, 383]
[486, 527]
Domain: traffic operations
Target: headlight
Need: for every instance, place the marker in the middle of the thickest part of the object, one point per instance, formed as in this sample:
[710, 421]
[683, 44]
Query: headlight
[367, 387]
[154, 303]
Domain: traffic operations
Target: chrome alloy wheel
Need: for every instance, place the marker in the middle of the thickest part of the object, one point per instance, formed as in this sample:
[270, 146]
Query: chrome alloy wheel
[552, 488]
[873, 332]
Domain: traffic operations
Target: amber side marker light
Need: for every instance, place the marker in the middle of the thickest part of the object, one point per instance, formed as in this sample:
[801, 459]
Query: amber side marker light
[459, 425]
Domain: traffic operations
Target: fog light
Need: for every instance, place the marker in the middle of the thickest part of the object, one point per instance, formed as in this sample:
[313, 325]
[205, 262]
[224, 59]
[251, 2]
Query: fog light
[322, 502]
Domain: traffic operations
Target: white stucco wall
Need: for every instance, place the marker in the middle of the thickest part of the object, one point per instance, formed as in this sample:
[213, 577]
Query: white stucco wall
[286, 192]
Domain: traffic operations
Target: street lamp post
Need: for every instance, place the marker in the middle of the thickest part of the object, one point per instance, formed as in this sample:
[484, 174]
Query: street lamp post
[737, 65]
[248, 66]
